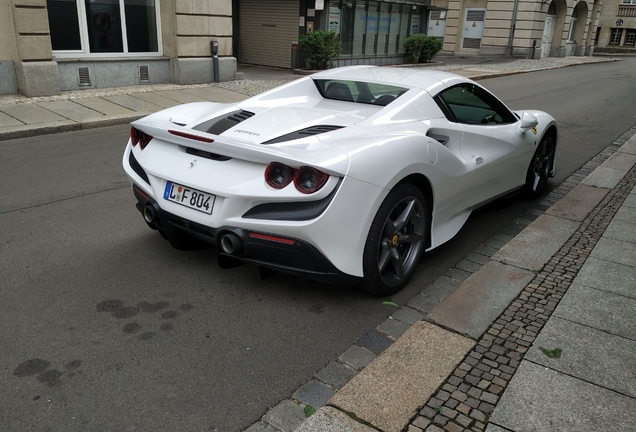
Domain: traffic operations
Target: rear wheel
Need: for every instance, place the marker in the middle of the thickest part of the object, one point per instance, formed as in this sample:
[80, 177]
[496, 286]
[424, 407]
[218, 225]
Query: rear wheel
[540, 168]
[396, 241]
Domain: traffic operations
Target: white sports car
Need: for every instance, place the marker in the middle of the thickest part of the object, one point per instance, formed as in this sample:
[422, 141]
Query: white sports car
[345, 176]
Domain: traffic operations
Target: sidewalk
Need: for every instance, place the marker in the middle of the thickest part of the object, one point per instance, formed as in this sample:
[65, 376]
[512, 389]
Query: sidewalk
[86, 109]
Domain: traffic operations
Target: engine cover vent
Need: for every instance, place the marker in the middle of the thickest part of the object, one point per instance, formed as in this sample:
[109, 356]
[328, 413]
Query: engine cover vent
[302, 133]
[207, 155]
[218, 125]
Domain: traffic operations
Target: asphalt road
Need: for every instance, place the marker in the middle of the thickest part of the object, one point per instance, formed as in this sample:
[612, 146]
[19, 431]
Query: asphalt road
[103, 326]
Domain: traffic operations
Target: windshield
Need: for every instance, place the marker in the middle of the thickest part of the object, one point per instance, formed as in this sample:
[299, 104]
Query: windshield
[359, 91]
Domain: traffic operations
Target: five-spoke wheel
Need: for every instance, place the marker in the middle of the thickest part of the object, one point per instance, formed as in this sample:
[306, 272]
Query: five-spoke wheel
[396, 241]
[540, 167]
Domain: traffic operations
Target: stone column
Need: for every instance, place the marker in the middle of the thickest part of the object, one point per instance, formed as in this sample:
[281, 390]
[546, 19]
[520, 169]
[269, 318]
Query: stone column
[198, 22]
[36, 72]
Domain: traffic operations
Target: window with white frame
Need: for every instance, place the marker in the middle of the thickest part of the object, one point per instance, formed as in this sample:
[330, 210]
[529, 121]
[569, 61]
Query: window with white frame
[573, 22]
[630, 37]
[615, 36]
[104, 27]
[629, 2]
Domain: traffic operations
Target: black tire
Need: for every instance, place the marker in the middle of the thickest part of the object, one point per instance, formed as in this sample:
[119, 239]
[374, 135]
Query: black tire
[541, 167]
[396, 241]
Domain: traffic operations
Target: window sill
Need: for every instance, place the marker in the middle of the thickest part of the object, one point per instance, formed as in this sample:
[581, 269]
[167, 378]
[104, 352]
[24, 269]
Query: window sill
[107, 59]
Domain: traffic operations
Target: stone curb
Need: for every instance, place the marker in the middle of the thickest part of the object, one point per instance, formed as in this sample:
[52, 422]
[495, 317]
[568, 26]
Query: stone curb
[28, 131]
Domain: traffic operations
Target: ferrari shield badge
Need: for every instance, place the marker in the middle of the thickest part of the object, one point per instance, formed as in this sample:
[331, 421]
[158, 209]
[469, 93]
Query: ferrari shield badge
[534, 130]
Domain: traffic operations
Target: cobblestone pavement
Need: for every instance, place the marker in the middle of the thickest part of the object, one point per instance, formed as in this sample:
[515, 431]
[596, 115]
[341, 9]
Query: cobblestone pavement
[468, 397]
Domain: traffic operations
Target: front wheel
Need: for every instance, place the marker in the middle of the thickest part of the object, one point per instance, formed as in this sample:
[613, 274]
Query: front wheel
[540, 167]
[396, 241]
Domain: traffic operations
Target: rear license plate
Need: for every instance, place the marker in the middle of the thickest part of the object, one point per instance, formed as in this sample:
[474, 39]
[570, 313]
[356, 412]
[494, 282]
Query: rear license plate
[188, 197]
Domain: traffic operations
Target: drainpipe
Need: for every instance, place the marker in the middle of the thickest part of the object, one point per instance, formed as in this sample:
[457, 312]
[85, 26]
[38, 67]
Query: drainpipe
[512, 29]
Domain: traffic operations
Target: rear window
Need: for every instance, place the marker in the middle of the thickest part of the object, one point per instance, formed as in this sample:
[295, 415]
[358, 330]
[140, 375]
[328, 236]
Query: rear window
[359, 91]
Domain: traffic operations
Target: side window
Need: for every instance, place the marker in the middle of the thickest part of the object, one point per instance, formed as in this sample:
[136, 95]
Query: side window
[471, 104]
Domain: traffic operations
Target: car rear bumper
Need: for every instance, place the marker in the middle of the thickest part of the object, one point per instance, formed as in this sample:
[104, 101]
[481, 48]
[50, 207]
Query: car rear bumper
[284, 254]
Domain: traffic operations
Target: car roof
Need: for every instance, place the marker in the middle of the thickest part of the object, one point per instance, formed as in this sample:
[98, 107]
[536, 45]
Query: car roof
[426, 79]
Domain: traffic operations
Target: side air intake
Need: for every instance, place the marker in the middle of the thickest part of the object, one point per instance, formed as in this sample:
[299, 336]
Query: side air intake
[312, 130]
[218, 125]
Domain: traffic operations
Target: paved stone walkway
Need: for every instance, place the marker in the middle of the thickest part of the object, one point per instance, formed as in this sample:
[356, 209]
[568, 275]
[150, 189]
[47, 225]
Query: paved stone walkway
[469, 396]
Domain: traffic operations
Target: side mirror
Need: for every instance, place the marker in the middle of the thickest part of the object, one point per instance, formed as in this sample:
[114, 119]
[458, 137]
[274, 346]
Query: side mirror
[528, 121]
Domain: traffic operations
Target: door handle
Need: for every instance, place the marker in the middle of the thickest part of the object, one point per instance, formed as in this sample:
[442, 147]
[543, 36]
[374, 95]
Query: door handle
[478, 160]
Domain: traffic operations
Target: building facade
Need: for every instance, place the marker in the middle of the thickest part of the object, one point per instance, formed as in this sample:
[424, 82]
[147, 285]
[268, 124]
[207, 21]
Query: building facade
[373, 32]
[616, 30]
[524, 28]
[47, 46]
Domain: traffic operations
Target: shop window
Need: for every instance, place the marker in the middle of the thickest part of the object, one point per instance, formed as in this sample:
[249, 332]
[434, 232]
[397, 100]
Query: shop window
[384, 26]
[343, 20]
[630, 37]
[106, 27]
[394, 32]
[615, 36]
[359, 29]
[373, 28]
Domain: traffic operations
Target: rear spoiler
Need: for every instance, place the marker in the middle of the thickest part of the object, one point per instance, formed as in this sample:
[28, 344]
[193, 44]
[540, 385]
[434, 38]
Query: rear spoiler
[330, 160]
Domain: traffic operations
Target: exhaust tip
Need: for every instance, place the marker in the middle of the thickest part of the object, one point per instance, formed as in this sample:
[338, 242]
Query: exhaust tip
[231, 244]
[150, 214]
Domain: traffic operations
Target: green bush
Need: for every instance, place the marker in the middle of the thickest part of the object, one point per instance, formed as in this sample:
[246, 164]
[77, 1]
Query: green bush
[422, 48]
[432, 46]
[320, 48]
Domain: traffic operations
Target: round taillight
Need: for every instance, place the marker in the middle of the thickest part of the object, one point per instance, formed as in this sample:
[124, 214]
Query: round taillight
[308, 180]
[278, 175]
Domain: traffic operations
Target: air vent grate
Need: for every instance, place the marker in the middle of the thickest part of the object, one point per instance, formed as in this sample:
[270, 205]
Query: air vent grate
[472, 43]
[312, 130]
[144, 74]
[84, 76]
[218, 125]
[240, 116]
[475, 15]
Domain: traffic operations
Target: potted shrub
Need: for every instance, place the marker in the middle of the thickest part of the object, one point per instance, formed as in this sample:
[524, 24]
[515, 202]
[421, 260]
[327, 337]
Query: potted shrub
[319, 48]
[422, 48]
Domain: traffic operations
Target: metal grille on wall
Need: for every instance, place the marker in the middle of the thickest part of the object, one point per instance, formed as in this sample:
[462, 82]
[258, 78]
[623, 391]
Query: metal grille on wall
[267, 30]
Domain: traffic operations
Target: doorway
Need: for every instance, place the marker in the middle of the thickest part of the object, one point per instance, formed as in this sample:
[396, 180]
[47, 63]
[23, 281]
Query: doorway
[473, 28]
[548, 34]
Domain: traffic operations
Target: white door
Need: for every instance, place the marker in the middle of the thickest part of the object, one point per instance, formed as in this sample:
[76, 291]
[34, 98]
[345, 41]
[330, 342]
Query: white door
[548, 33]
[498, 157]
[473, 28]
[437, 24]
